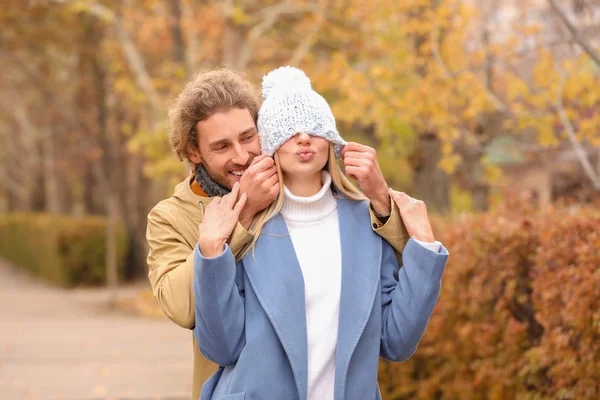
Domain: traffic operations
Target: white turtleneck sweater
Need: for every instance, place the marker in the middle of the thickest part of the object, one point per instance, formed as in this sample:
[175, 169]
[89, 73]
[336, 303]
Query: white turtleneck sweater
[314, 229]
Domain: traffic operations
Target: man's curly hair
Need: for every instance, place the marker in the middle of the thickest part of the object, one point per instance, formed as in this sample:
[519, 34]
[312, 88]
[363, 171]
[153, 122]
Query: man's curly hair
[206, 94]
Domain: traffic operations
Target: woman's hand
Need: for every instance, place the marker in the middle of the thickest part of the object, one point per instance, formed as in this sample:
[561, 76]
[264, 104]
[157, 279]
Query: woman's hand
[220, 218]
[414, 215]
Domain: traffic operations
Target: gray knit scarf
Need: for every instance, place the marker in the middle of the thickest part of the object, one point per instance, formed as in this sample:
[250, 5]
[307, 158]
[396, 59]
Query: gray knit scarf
[210, 187]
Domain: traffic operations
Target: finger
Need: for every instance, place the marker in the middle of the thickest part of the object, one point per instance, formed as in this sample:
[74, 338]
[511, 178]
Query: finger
[367, 153]
[359, 162]
[273, 180]
[274, 191]
[411, 200]
[356, 173]
[355, 154]
[401, 198]
[263, 164]
[266, 172]
[346, 149]
[215, 202]
[230, 199]
[239, 206]
[259, 158]
[405, 196]
[353, 146]
[360, 148]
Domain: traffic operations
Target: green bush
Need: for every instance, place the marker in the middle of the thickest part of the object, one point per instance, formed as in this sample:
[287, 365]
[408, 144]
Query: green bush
[60, 249]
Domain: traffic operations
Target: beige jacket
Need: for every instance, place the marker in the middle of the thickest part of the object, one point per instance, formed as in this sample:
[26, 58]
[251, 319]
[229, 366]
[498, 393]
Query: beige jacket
[172, 234]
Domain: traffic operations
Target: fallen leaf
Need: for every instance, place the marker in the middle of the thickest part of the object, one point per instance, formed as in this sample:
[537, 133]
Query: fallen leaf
[100, 390]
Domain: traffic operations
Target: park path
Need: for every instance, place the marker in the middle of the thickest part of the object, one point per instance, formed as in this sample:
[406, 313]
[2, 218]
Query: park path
[67, 344]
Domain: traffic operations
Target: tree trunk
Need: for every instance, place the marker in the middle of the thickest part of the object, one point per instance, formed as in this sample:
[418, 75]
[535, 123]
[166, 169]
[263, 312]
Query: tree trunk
[177, 33]
[136, 215]
[51, 192]
[112, 277]
[432, 183]
[107, 167]
[4, 193]
[473, 175]
[232, 39]
[23, 169]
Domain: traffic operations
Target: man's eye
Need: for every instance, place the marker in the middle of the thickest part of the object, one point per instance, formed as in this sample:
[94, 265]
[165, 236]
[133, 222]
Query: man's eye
[248, 138]
[220, 148]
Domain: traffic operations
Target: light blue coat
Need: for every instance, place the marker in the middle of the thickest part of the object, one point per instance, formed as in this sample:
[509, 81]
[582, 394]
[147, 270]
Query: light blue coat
[251, 320]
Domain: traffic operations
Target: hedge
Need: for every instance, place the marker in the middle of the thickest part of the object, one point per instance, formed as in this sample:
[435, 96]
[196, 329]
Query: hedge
[518, 316]
[63, 250]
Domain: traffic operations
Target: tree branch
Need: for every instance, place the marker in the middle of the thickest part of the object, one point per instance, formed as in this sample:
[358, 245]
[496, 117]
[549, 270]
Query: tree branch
[305, 45]
[435, 50]
[132, 55]
[587, 48]
[579, 151]
[269, 17]
[283, 8]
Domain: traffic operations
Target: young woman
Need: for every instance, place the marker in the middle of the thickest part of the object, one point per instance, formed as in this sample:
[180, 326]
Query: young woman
[317, 296]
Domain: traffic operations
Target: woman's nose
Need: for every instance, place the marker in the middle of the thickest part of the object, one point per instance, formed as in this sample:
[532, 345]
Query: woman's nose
[303, 138]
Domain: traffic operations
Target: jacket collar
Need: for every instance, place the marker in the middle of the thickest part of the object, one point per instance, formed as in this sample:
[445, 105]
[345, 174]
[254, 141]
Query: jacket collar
[189, 191]
[276, 277]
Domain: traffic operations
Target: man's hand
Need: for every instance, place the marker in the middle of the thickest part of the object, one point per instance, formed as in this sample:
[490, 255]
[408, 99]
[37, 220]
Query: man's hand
[414, 215]
[261, 183]
[361, 164]
[220, 217]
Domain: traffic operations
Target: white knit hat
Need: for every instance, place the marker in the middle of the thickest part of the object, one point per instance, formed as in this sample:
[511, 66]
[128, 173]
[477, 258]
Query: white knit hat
[291, 106]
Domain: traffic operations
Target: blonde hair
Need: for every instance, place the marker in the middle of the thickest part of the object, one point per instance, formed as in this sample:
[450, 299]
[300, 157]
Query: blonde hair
[342, 187]
[207, 94]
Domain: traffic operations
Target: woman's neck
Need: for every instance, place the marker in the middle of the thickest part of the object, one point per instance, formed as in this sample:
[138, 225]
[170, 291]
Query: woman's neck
[303, 186]
[309, 209]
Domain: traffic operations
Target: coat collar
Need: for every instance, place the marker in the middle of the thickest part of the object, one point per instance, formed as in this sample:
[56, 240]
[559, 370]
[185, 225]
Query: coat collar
[276, 277]
[361, 266]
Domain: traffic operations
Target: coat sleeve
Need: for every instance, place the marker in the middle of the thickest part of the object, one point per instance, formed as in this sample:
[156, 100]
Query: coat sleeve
[220, 307]
[408, 296]
[392, 231]
[171, 266]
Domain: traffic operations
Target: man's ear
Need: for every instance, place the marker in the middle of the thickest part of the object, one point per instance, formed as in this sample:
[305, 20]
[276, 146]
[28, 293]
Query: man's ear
[195, 158]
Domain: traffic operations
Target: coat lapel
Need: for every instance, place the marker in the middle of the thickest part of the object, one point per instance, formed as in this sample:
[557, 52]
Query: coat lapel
[275, 275]
[361, 264]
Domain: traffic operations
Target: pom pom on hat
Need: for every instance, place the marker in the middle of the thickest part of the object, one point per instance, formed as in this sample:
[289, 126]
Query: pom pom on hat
[288, 78]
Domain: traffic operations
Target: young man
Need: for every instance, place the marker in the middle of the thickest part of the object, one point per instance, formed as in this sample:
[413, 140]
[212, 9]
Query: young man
[213, 127]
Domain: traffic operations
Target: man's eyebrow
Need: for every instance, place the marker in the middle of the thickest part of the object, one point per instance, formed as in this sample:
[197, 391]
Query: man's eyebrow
[250, 129]
[218, 142]
[223, 141]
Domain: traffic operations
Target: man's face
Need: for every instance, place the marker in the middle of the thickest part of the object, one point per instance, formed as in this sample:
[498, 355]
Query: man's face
[227, 143]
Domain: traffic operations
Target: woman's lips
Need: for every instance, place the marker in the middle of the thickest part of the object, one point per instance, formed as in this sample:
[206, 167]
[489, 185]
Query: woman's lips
[305, 155]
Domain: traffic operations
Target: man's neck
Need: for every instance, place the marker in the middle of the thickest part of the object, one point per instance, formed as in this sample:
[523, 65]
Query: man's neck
[209, 186]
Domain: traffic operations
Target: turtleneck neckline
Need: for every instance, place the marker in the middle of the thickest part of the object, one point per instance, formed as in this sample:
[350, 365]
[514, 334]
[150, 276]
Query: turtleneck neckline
[309, 209]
